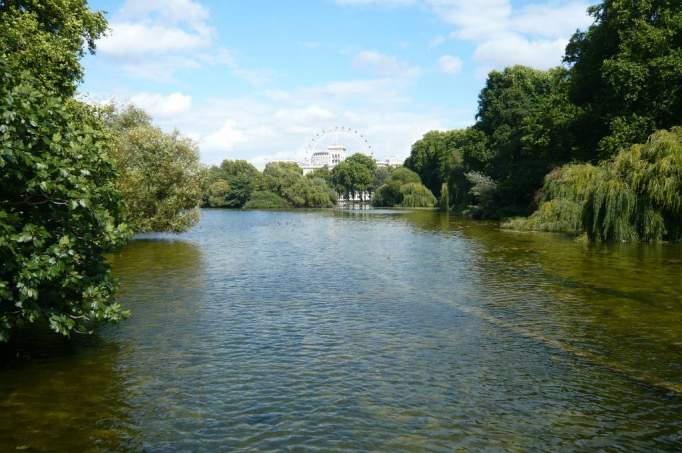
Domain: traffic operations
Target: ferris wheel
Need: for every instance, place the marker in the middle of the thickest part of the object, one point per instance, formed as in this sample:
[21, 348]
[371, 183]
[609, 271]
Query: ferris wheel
[348, 137]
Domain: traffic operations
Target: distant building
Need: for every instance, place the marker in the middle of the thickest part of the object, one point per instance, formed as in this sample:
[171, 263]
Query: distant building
[334, 155]
[389, 163]
[330, 158]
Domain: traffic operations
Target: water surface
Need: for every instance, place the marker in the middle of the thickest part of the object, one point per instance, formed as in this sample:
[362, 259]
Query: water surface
[365, 330]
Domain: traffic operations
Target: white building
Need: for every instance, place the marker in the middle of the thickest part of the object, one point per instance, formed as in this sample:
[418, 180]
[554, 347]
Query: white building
[330, 158]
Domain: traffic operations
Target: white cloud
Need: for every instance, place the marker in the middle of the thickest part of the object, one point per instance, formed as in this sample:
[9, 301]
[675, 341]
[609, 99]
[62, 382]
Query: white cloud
[514, 49]
[383, 65]
[535, 35]
[225, 138]
[494, 25]
[135, 39]
[161, 106]
[154, 39]
[305, 115]
[450, 65]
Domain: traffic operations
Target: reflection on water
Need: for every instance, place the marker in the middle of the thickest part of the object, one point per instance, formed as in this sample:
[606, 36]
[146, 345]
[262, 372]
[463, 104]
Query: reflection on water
[366, 330]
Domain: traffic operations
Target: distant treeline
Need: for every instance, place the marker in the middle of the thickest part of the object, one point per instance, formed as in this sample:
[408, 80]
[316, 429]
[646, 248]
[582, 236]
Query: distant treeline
[564, 142]
[282, 185]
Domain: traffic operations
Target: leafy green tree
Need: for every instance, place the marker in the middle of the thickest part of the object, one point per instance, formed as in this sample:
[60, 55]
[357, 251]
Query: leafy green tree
[266, 200]
[322, 173]
[217, 194]
[242, 178]
[484, 193]
[528, 121]
[626, 73]
[355, 174]
[416, 196]
[279, 176]
[287, 180]
[430, 158]
[637, 196]
[381, 175]
[160, 174]
[444, 157]
[444, 202]
[60, 211]
[403, 188]
[48, 38]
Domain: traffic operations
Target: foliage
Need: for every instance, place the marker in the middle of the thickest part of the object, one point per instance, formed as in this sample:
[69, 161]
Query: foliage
[217, 194]
[266, 200]
[48, 38]
[483, 192]
[59, 208]
[381, 175]
[436, 153]
[160, 174]
[355, 174]
[416, 195]
[242, 178]
[626, 72]
[286, 179]
[635, 196]
[403, 188]
[528, 120]
[323, 173]
[444, 202]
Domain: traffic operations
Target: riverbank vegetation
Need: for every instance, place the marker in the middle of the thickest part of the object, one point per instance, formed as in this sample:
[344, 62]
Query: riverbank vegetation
[76, 180]
[583, 148]
[282, 185]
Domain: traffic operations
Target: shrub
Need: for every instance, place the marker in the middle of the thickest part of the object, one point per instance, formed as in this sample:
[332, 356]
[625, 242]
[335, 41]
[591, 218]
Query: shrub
[266, 200]
[416, 195]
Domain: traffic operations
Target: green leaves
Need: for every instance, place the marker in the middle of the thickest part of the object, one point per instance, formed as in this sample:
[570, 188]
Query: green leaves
[159, 174]
[59, 211]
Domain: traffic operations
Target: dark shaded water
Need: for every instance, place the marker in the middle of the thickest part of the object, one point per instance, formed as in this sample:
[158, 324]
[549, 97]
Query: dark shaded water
[366, 330]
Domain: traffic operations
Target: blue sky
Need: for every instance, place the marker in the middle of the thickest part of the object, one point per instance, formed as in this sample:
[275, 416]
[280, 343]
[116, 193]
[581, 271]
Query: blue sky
[257, 79]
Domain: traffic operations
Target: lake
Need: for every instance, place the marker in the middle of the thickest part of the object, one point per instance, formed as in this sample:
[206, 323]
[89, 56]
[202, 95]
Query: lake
[365, 330]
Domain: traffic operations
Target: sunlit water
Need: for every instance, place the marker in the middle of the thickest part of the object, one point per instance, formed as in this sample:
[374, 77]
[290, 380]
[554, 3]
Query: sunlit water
[365, 330]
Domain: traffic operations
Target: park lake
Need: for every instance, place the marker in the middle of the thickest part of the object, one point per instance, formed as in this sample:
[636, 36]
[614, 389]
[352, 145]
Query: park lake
[356, 330]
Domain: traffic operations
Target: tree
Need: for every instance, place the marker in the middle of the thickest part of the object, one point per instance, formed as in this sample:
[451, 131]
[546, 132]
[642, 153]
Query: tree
[242, 178]
[637, 196]
[322, 173]
[266, 200]
[48, 38]
[160, 174]
[355, 174]
[403, 188]
[528, 121]
[59, 209]
[626, 73]
[430, 158]
[444, 157]
[217, 194]
[416, 195]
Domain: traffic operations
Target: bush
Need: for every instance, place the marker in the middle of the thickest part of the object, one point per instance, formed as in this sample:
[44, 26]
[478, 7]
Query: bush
[266, 200]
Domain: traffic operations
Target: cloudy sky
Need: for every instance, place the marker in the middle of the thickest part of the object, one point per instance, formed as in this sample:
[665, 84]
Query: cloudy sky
[257, 79]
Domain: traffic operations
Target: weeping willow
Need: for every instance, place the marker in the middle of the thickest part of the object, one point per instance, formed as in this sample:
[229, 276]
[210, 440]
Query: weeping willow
[444, 198]
[637, 196]
[416, 195]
